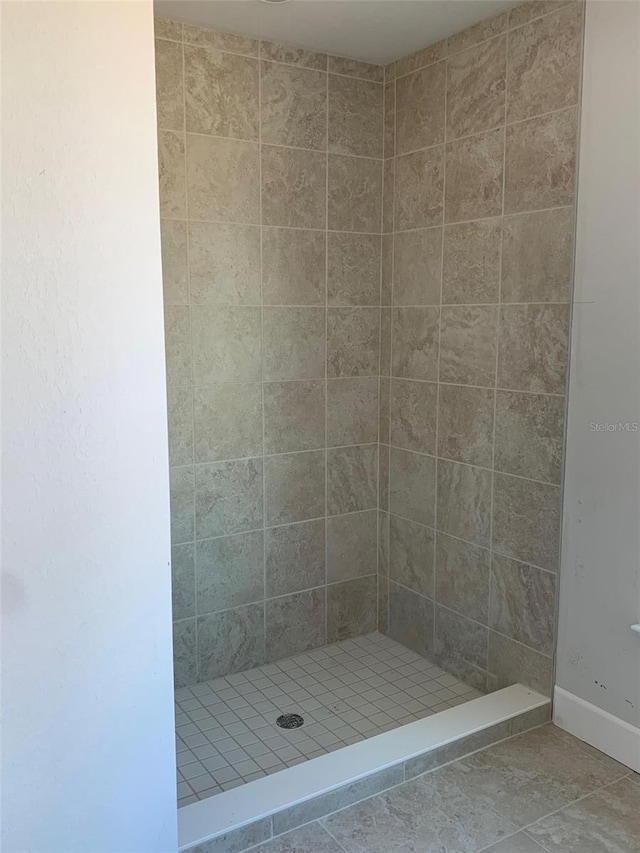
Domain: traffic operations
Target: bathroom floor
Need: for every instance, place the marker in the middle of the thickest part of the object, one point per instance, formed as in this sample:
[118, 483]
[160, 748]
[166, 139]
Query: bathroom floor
[226, 731]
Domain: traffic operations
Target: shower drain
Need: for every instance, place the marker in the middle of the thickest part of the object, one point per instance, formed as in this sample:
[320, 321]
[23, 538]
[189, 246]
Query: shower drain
[290, 721]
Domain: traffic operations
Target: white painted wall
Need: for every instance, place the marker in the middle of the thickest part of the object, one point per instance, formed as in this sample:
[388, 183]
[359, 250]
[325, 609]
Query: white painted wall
[598, 656]
[87, 740]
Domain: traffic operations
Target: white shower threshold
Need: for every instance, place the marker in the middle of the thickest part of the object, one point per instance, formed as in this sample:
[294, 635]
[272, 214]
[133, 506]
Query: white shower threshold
[239, 807]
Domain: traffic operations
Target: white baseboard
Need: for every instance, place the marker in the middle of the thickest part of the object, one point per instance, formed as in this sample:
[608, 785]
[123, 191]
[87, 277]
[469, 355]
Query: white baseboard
[609, 734]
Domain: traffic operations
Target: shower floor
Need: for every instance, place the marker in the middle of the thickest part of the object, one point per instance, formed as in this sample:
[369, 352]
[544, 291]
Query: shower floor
[226, 731]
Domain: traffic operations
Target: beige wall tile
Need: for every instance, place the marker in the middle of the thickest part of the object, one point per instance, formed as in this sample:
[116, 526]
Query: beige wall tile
[355, 116]
[352, 479]
[353, 270]
[523, 603]
[229, 571]
[173, 204]
[227, 421]
[462, 577]
[177, 344]
[383, 543]
[293, 266]
[415, 343]
[420, 106]
[411, 620]
[524, 12]
[537, 256]
[420, 58]
[465, 424]
[224, 263]
[295, 487]
[221, 93]
[390, 119]
[419, 189]
[293, 55]
[417, 267]
[540, 162]
[180, 422]
[294, 557]
[544, 64]
[384, 410]
[388, 191]
[181, 488]
[228, 497]
[386, 287]
[169, 85]
[355, 68]
[294, 343]
[293, 187]
[461, 645]
[474, 177]
[222, 41]
[352, 411]
[351, 608]
[167, 29]
[533, 348]
[353, 341]
[411, 550]
[479, 32]
[413, 415]
[468, 344]
[383, 476]
[511, 662]
[464, 501]
[355, 193]
[412, 486]
[293, 416]
[294, 624]
[175, 274]
[476, 83]
[226, 344]
[230, 641]
[529, 435]
[471, 267]
[385, 341]
[383, 604]
[223, 179]
[293, 106]
[352, 546]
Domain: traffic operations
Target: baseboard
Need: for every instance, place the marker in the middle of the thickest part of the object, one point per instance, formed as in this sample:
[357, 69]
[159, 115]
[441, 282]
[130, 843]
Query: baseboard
[609, 734]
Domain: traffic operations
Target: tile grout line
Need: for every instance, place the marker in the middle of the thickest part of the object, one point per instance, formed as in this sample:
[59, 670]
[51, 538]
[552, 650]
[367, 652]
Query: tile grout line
[326, 365]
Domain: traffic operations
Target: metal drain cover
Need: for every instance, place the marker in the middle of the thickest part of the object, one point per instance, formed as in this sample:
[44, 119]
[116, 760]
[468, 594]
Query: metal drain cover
[290, 721]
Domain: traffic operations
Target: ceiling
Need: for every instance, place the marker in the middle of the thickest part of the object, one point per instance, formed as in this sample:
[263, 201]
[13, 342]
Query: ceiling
[371, 30]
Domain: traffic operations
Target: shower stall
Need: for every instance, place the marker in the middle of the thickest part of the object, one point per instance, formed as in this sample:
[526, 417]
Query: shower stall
[367, 277]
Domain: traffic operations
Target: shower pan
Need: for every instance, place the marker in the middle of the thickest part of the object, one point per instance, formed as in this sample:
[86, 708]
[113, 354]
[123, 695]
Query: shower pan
[367, 279]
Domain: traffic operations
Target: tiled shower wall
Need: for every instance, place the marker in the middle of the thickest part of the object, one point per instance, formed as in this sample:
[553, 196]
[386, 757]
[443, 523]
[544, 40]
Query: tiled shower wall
[271, 199]
[478, 221]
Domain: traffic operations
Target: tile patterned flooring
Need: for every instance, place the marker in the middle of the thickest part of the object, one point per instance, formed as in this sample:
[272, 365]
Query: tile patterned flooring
[540, 792]
[226, 731]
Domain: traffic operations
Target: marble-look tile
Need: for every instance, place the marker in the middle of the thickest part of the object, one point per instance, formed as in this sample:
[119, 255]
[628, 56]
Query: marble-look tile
[356, 68]
[420, 58]
[465, 424]
[355, 116]
[523, 603]
[180, 422]
[229, 571]
[224, 263]
[486, 29]
[293, 416]
[386, 285]
[420, 104]
[165, 28]
[526, 520]
[237, 839]
[476, 85]
[230, 641]
[411, 619]
[352, 411]
[389, 119]
[352, 545]
[226, 344]
[353, 341]
[415, 343]
[227, 421]
[177, 344]
[293, 187]
[293, 106]
[531, 719]
[383, 543]
[462, 577]
[417, 267]
[230, 42]
[607, 821]
[412, 486]
[471, 265]
[461, 647]
[293, 344]
[537, 256]
[468, 344]
[223, 179]
[414, 408]
[221, 93]
[228, 497]
[175, 282]
[530, 9]
[464, 501]
[181, 489]
[295, 486]
[411, 548]
[351, 608]
[388, 195]
[419, 184]
[474, 177]
[456, 749]
[529, 435]
[355, 194]
[294, 623]
[293, 266]
[277, 52]
[304, 840]
[384, 411]
[169, 85]
[353, 269]
[533, 348]
[184, 653]
[383, 604]
[511, 662]
[383, 476]
[540, 162]
[352, 478]
[183, 581]
[171, 175]
[294, 557]
[544, 64]
[385, 341]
